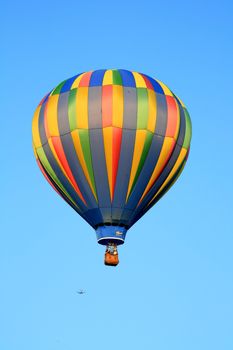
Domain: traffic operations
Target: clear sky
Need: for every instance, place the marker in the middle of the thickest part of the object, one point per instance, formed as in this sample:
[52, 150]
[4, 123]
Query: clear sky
[173, 289]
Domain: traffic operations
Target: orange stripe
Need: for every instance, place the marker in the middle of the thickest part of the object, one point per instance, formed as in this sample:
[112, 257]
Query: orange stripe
[77, 81]
[85, 79]
[107, 105]
[172, 118]
[62, 158]
[117, 106]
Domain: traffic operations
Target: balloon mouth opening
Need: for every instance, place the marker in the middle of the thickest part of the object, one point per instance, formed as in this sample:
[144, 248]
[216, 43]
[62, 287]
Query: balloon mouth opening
[109, 240]
[111, 234]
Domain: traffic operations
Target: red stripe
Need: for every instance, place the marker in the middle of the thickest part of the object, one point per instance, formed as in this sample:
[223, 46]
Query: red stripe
[148, 83]
[62, 158]
[116, 147]
[107, 105]
[85, 80]
[172, 116]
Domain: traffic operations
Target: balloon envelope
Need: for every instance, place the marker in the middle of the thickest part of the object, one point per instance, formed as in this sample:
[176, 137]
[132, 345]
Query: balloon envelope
[111, 143]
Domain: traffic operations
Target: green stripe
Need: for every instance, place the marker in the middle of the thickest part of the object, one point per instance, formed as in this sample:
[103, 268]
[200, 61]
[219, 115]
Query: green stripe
[116, 77]
[85, 143]
[58, 88]
[145, 151]
[188, 129]
[41, 154]
[142, 108]
[72, 109]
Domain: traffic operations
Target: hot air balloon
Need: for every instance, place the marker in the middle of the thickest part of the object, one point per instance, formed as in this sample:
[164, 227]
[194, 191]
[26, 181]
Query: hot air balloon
[111, 143]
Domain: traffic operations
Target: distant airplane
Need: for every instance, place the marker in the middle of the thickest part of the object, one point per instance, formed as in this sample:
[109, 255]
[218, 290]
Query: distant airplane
[81, 291]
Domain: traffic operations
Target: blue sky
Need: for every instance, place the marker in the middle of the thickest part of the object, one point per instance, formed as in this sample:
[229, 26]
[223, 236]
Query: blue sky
[174, 285]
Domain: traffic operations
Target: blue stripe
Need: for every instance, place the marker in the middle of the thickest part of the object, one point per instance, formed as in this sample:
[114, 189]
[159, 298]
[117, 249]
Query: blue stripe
[97, 77]
[155, 84]
[67, 85]
[127, 78]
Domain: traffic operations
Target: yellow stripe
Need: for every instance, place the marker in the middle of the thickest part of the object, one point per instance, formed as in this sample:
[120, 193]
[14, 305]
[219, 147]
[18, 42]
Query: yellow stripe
[166, 90]
[51, 115]
[152, 110]
[108, 134]
[77, 81]
[108, 78]
[168, 141]
[138, 148]
[34, 151]
[118, 104]
[174, 169]
[35, 128]
[140, 82]
[82, 108]
[79, 152]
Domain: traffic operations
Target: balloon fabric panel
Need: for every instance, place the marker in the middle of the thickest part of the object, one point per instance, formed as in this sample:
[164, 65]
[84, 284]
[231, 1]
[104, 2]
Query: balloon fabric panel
[111, 143]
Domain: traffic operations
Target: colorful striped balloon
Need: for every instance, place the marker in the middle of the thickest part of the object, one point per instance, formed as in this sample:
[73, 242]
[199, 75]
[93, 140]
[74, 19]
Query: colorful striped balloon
[111, 143]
